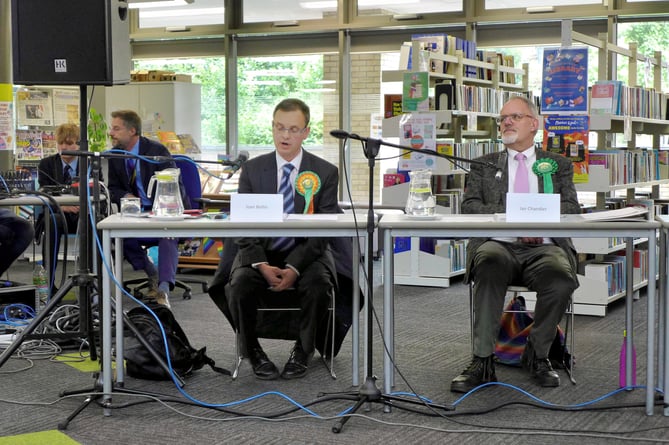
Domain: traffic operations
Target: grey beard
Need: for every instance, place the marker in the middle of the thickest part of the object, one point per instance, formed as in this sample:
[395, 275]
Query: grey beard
[509, 139]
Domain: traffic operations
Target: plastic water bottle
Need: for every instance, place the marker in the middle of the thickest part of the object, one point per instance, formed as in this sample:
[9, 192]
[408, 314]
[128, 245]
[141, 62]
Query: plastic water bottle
[41, 286]
[622, 363]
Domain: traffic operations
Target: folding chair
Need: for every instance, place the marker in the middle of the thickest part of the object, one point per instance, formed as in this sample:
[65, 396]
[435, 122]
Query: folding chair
[515, 291]
[282, 322]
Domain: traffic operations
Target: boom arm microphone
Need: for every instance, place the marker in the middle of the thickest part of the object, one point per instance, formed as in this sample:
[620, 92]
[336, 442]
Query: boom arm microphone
[341, 134]
[242, 157]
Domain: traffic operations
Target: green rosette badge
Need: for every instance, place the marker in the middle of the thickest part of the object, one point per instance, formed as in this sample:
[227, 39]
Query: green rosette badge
[545, 168]
[307, 184]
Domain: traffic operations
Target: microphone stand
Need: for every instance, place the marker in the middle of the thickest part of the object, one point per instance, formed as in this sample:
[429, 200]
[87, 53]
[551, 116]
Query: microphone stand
[83, 278]
[369, 392]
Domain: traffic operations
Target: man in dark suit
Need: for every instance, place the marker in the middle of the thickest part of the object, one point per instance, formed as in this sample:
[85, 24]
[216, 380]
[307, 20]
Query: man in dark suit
[262, 265]
[130, 178]
[58, 171]
[546, 266]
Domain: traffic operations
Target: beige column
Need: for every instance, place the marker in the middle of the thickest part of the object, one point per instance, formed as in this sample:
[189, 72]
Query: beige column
[5, 43]
[6, 97]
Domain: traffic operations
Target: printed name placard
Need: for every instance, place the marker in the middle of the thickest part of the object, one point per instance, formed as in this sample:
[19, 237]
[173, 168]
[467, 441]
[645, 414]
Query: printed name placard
[256, 207]
[532, 207]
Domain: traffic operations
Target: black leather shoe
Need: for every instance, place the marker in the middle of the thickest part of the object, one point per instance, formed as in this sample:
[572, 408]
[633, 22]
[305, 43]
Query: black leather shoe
[297, 364]
[481, 370]
[542, 372]
[540, 368]
[263, 367]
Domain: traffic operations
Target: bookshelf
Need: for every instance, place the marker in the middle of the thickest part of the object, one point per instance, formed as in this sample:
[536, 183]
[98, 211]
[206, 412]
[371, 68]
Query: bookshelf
[467, 120]
[626, 168]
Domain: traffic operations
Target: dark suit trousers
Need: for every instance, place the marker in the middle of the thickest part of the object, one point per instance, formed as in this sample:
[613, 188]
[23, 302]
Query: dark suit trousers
[247, 286]
[543, 268]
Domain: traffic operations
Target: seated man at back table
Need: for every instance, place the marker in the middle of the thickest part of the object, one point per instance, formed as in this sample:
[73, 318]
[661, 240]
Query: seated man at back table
[545, 266]
[59, 171]
[129, 178]
[276, 265]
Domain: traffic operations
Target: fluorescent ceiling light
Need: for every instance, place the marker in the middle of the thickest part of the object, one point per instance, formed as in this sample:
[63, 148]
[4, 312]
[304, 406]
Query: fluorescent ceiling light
[362, 3]
[330, 4]
[182, 13]
[327, 4]
[146, 4]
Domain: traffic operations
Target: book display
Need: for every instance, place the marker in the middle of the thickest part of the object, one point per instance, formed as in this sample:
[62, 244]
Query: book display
[465, 96]
[618, 108]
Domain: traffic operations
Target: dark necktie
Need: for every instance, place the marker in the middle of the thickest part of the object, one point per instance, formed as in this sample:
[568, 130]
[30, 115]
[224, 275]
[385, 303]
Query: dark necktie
[130, 169]
[67, 174]
[285, 243]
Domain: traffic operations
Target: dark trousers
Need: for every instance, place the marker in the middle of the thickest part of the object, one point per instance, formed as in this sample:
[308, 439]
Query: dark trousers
[16, 234]
[544, 269]
[247, 286]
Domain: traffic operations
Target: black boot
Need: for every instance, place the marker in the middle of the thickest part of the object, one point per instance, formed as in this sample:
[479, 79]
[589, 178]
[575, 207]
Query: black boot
[540, 369]
[481, 370]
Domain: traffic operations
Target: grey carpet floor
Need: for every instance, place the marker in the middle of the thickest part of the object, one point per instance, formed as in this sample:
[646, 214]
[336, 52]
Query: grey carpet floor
[432, 347]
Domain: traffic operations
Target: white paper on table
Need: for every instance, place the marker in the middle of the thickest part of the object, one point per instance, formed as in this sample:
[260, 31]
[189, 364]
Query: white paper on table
[312, 216]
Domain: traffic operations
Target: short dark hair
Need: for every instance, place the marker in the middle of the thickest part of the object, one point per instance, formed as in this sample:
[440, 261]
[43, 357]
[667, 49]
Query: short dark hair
[292, 104]
[130, 119]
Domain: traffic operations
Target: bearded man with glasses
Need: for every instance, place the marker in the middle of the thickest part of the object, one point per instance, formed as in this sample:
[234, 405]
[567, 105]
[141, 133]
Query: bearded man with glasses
[546, 266]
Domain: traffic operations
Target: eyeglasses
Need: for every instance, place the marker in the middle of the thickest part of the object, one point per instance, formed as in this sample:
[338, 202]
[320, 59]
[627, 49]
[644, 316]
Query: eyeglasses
[516, 117]
[293, 131]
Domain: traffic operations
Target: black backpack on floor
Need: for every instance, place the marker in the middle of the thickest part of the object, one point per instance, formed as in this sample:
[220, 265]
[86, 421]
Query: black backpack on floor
[184, 358]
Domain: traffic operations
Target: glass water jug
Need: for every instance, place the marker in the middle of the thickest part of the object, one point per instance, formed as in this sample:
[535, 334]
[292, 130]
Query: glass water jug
[167, 202]
[421, 201]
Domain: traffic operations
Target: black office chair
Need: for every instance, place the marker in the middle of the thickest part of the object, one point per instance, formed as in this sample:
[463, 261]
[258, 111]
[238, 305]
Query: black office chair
[191, 180]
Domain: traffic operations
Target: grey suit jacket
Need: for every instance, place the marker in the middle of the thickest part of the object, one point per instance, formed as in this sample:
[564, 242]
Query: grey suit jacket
[485, 194]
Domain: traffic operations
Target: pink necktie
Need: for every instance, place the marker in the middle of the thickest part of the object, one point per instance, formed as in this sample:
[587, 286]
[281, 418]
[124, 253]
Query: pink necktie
[522, 182]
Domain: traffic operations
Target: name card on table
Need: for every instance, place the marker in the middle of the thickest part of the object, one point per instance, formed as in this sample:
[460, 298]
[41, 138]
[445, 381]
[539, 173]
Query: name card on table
[532, 207]
[255, 207]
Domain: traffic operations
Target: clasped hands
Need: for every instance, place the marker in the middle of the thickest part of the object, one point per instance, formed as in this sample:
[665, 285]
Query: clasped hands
[531, 240]
[278, 279]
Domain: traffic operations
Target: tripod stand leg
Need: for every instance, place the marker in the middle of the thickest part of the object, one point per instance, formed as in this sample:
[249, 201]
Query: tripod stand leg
[63, 425]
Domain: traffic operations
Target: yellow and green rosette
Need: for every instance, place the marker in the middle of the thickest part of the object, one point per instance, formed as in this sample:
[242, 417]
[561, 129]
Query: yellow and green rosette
[308, 184]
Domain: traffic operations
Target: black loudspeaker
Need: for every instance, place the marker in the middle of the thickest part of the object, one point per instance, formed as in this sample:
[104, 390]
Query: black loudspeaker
[70, 42]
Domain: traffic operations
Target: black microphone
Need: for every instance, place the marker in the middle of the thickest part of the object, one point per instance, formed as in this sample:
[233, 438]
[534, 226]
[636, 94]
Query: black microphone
[242, 157]
[501, 162]
[340, 134]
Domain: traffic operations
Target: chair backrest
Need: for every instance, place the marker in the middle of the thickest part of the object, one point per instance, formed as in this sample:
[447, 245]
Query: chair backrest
[190, 176]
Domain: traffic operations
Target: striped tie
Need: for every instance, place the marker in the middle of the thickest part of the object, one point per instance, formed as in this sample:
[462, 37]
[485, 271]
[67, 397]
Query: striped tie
[286, 243]
[67, 174]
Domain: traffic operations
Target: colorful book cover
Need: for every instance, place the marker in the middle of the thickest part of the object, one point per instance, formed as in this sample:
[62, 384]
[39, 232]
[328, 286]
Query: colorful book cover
[415, 95]
[601, 100]
[564, 83]
[390, 179]
[171, 141]
[28, 144]
[568, 136]
[392, 105]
